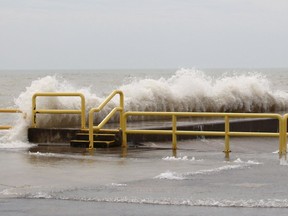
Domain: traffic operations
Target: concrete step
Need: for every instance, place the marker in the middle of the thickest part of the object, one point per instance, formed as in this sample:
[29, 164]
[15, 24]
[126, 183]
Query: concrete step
[102, 139]
[97, 137]
[97, 144]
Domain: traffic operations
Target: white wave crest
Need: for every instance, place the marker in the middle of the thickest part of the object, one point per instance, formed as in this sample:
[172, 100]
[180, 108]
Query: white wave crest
[118, 185]
[178, 176]
[248, 203]
[184, 158]
[215, 170]
[193, 90]
[170, 176]
[238, 160]
[186, 91]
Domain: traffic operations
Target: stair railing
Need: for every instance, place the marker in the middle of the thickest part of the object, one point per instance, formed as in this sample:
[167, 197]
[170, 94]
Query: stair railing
[119, 109]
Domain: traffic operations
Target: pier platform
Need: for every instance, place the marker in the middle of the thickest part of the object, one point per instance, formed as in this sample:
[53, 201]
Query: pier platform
[65, 135]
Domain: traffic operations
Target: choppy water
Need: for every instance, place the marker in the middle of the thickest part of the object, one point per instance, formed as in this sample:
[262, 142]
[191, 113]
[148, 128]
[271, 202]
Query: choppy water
[196, 180]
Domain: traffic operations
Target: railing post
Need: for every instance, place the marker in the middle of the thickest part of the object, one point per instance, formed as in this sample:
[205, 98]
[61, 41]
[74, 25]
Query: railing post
[34, 111]
[123, 120]
[83, 111]
[227, 136]
[283, 135]
[174, 128]
[91, 130]
[124, 134]
[122, 109]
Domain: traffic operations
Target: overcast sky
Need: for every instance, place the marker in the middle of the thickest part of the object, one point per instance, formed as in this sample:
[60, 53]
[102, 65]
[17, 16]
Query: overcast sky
[129, 34]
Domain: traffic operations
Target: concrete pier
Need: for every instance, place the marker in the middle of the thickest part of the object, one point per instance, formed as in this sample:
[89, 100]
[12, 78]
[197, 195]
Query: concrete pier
[243, 125]
[51, 135]
[65, 135]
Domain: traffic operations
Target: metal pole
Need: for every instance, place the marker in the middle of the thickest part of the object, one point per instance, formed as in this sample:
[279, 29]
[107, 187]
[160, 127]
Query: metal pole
[91, 131]
[83, 111]
[34, 111]
[283, 135]
[124, 134]
[174, 128]
[227, 137]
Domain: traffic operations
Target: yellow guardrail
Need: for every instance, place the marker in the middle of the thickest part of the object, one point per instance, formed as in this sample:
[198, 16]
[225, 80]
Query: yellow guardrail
[119, 108]
[226, 133]
[7, 127]
[284, 132]
[56, 111]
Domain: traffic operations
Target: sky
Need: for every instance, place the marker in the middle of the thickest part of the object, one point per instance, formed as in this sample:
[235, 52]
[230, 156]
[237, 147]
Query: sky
[143, 34]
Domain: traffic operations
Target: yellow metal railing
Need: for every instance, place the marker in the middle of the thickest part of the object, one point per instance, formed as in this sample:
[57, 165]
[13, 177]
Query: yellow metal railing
[56, 111]
[226, 133]
[119, 108]
[7, 127]
[284, 136]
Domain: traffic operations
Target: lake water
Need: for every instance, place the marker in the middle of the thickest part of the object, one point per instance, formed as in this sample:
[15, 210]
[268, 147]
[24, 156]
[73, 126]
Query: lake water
[195, 180]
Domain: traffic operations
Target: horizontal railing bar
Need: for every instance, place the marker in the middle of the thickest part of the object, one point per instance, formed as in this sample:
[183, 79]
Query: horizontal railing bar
[10, 111]
[102, 130]
[206, 114]
[53, 111]
[169, 132]
[201, 133]
[254, 134]
[58, 94]
[5, 127]
[219, 133]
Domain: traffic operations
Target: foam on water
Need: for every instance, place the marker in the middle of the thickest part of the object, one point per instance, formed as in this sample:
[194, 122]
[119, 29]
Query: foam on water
[63, 156]
[209, 202]
[186, 90]
[238, 160]
[118, 185]
[249, 203]
[170, 176]
[15, 145]
[184, 158]
[238, 164]
[182, 176]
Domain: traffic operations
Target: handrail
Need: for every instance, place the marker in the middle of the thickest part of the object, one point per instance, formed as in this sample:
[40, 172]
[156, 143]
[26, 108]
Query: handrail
[119, 108]
[54, 111]
[226, 133]
[7, 127]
